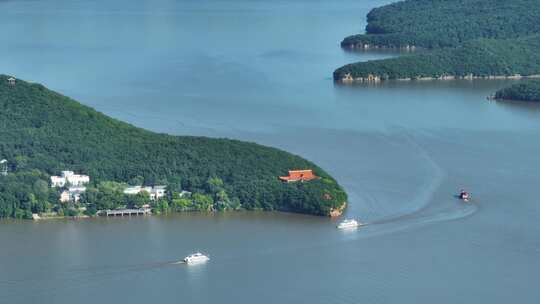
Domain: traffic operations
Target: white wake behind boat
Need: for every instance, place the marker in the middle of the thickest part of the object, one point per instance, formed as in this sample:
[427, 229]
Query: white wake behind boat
[196, 258]
[349, 224]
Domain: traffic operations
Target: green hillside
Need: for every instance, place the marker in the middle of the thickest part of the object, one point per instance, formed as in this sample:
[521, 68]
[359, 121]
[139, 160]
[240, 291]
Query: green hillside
[525, 91]
[463, 38]
[43, 132]
[477, 58]
[447, 23]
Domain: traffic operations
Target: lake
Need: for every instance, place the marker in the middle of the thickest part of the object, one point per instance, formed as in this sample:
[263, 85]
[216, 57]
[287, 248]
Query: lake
[262, 71]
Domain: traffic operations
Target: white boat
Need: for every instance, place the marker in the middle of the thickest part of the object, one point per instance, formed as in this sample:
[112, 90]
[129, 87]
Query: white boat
[348, 224]
[196, 258]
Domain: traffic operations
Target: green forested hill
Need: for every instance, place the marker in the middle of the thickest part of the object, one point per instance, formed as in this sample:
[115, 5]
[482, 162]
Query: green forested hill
[526, 91]
[479, 58]
[43, 132]
[447, 23]
[464, 38]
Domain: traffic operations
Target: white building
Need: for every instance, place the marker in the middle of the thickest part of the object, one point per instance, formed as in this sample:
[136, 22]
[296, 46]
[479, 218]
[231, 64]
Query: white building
[133, 190]
[73, 194]
[155, 192]
[185, 193]
[158, 192]
[65, 197]
[68, 177]
[3, 167]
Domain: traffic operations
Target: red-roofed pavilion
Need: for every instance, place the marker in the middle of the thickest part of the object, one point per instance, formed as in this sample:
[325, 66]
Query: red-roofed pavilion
[299, 176]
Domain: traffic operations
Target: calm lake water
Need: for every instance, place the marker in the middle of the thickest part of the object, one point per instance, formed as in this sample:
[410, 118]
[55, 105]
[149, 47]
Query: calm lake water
[262, 71]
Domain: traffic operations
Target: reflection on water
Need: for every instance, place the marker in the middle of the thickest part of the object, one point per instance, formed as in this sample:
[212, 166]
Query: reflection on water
[531, 109]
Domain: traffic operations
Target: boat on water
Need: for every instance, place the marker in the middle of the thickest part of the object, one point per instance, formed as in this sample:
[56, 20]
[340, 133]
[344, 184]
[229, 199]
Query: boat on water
[464, 196]
[349, 224]
[196, 258]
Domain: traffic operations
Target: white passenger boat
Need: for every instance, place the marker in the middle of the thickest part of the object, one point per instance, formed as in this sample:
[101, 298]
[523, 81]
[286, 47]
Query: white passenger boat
[196, 258]
[349, 224]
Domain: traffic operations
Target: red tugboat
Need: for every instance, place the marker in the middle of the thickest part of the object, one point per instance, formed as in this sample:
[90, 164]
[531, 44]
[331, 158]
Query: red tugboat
[464, 196]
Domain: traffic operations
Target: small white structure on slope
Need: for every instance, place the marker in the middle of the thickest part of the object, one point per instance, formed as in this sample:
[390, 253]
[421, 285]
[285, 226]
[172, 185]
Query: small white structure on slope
[73, 194]
[3, 167]
[69, 177]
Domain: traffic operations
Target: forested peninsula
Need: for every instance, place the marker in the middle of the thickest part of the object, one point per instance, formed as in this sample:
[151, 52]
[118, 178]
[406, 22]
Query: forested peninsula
[526, 91]
[461, 39]
[43, 133]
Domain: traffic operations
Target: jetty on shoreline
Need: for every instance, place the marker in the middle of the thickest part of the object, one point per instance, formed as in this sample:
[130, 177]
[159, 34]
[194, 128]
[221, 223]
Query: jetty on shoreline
[126, 212]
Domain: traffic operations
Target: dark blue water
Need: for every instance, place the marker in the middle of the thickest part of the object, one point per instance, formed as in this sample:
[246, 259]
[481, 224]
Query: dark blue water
[262, 71]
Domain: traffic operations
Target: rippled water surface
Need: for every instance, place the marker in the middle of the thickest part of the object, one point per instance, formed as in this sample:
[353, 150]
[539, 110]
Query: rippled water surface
[261, 71]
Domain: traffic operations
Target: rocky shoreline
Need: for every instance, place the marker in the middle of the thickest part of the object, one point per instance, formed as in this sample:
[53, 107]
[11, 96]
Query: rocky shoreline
[369, 46]
[338, 211]
[371, 78]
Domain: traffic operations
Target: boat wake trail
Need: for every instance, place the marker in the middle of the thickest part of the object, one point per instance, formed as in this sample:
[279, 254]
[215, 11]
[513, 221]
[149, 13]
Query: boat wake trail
[430, 203]
[80, 277]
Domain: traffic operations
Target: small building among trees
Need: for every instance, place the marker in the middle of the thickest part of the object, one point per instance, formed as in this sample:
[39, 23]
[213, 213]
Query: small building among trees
[69, 178]
[155, 193]
[299, 176]
[3, 167]
[73, 194]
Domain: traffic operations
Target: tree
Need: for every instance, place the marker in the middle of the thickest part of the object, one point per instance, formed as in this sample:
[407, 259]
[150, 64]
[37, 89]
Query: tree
[138, 200]
[41, 189]
[214, 185]
[203, 202]
[136, 181]
[181, 204]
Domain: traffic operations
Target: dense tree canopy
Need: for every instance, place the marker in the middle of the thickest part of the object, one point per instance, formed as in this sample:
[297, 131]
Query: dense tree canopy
[447, 23]
[480, 58]
[525, 91]
[465, 38]
[43, 132]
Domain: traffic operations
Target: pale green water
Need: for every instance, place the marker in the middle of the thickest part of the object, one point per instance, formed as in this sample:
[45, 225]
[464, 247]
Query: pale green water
[261, 71]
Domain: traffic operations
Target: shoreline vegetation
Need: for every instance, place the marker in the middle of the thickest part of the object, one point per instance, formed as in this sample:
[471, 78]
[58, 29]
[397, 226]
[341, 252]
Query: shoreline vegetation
[528, 91]
[474, 39]
[43, 133]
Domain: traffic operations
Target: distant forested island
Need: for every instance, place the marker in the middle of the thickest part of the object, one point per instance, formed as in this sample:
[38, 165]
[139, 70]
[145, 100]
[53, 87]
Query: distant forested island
[525, 91]
[43, 133]
[460, 38]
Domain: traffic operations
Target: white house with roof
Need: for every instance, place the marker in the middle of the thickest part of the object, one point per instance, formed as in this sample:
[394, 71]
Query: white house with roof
[69, 177]
[73, 194]
[155, 192]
